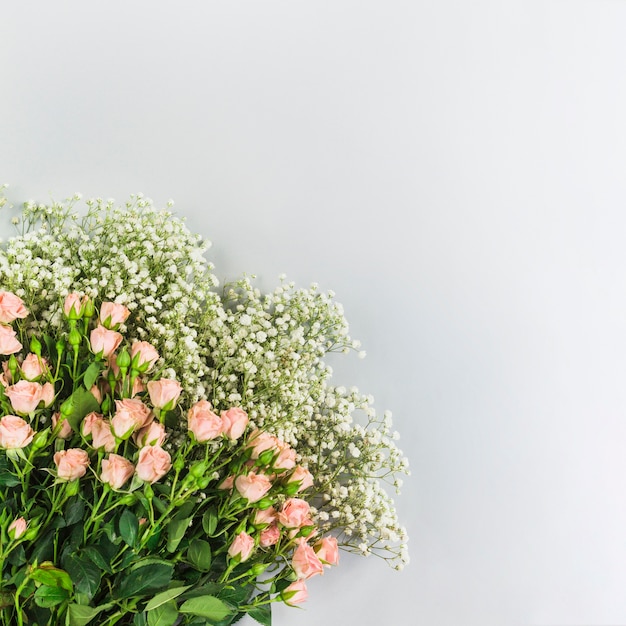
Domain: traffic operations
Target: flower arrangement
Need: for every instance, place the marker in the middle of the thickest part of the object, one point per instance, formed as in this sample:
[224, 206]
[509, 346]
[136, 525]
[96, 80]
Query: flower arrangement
[170, 454]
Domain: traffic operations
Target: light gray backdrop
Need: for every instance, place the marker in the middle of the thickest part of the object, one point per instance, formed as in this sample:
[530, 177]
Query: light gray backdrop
[455, 171]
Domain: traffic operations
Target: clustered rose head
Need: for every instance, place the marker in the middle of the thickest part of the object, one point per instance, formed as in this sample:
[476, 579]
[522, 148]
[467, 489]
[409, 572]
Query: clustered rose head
[207, 425]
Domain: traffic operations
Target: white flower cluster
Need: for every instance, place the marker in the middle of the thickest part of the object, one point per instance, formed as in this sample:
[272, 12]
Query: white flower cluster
[261, 351]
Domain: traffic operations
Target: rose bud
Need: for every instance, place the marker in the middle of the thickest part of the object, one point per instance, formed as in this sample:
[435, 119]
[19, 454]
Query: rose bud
[130, 416]
[25, 396]
[151, 435]
[104, 341]
[294, 513]
[265, 516]
[253, 486]
[301, 476]
[227, 483]
[47, 394]
[17, 528]
[86, 426]
[11, 307]
[15, 433]
[8, 343]
[305, 562]
[327, 551]
[261, 442]
[286, 458]
[241, 547]
[234, 421]
[296, 593]
[116, 470]
[203, 423]
[102, 435]
[65, 431]
[144, 355]
[154, 463]
[74, 306]
[71, 464]
[113, 314]
[269, 536]
[164, 393]
[33, 367]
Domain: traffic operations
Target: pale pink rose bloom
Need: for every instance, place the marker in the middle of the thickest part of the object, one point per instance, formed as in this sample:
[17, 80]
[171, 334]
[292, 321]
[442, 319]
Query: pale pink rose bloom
[71, 464]
[286, 458]
[265, 516]
[260, 442]
[253, 486]
[164, 392]
[8, 343]
[294, 513]
[138, 387]
[7, 372]
[3, 380]
[234, 422]
[296, 593]
[104, 341]
[151, 435]
[227, 483]
[153, 463]
[11, 307]
[102, 436]
[327, 550]
[305, 562]
[47, 394]
[75, 302]
[242, 546]
[203, 423]
[116, 470]
[96, 393]
[17, 527]
[33, 367]
[25, 396]
[269, 536]
[148, 355]
[303, 476]
[66, 430]
[15, 433]
[113, 314]
[86, 426]
[130, 415]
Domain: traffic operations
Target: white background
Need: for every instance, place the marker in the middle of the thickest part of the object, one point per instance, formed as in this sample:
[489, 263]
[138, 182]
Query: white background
[455, 171]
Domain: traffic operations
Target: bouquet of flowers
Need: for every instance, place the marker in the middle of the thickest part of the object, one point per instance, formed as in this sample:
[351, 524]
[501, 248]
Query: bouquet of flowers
[169, 454]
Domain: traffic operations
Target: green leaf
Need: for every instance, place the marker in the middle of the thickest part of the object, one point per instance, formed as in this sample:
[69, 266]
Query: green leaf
[79, 614]
[148, 575]
[140, 619]
[98, 559]
[209, 522]
[163, 615]
[165, 596]
[129, 527]
[199, 554]
[79, 404]
[207, 606]
[85, 574]
[74, 510]
[91, 374]
[47, 596]
[262, 614]
[176, 531]
[48, 574]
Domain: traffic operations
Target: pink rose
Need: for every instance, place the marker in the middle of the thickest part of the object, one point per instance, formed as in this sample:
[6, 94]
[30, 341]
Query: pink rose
[286, 458]
[146, 355]
[164, 393]
[113, 314]
[234, 422]
[96, 393]
[269, 536]
[104, 341]
[11, 307]
[17, 528]
[71, 464]
[203, 423]
[15, 432]
[265, 516]
[86, 426]
[74, 305]
[65, 431]
[302, 476]
[130, 416]
[154, 463]
[33, 367]
[25, 396]
[253, 486]
[305, 562]
[242, 546]
[227, 483]
[8, 343]
[294, 513]
[47, 394]
[116, 470]
[151, 435]
[327, 550]
[102, 436]
[296, 593]
[260, 442]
